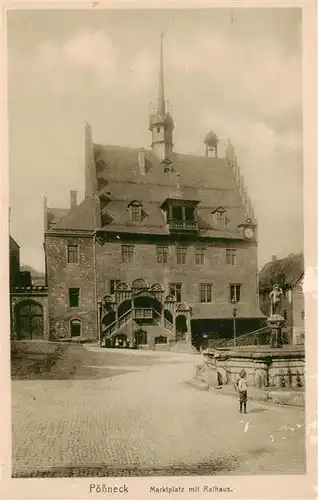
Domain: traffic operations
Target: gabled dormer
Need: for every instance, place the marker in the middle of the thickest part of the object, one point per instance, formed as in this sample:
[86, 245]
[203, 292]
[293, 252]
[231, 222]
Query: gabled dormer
[220, 217]
[136, 211]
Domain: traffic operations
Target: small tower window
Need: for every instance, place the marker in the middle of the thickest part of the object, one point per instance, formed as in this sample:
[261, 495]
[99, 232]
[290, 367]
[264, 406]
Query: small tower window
[158, 130]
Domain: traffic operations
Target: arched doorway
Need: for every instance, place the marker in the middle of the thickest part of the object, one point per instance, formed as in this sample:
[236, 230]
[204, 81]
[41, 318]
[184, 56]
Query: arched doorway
[75, 325]
[181, 327]
[29, 320]
[148, 301]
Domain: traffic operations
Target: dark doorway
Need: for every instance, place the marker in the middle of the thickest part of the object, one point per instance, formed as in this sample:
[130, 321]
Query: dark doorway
[181, 327]
[141, 337]
[75, 328]
[29, 320]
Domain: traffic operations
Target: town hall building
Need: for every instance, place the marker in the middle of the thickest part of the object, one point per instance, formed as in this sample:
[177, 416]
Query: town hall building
[162, 249]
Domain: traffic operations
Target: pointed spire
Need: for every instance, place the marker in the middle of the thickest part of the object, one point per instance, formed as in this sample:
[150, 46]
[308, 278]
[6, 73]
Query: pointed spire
[161, 108]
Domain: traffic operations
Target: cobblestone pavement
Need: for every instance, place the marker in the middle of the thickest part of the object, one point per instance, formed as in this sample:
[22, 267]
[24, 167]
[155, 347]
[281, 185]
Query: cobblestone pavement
[131, 413]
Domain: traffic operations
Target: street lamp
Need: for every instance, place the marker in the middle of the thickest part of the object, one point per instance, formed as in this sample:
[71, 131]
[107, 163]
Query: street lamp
[234, 303]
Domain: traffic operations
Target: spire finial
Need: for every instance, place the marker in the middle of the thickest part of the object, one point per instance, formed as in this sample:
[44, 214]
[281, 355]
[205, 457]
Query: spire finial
[161, 94]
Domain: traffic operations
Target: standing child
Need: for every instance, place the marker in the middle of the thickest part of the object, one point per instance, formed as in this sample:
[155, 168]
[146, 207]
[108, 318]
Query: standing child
[242, 390]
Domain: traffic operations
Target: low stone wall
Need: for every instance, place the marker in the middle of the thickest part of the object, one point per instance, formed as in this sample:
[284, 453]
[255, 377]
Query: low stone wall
[265, 367]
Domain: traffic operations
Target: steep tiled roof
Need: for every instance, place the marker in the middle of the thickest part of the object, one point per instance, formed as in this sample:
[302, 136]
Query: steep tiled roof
[79, 217]
[207, 180]
[285, 272]
[55, 214]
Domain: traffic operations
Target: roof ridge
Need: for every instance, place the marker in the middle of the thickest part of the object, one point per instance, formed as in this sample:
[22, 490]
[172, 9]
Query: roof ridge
[187, 186]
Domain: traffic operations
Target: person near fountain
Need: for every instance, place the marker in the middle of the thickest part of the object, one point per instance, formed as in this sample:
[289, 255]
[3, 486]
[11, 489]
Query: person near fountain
[242, 390]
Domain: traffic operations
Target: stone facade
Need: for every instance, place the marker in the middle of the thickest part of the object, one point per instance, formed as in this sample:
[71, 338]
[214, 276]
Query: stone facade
[62, 276]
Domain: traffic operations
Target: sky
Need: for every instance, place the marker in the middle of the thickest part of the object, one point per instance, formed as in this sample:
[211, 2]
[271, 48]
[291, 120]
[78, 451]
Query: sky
[235, 71]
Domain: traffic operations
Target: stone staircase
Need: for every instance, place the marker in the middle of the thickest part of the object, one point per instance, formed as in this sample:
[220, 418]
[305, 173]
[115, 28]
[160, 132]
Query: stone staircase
[134, 319]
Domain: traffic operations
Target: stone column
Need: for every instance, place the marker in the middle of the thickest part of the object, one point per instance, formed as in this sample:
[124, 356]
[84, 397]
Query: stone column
[189, 333]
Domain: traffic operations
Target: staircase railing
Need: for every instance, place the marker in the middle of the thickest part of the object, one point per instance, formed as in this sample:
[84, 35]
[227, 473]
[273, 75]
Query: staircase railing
[136, 313]
[114, 327]
[247, 338]
[168, 325]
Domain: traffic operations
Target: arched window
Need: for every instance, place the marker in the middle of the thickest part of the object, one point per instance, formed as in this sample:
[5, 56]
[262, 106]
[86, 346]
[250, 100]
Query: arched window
[75, 327]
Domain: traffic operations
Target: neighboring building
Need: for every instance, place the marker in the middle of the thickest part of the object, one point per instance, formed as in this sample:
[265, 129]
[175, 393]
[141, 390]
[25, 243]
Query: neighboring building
[288, 273]
[160, 247]
[28, 301]
[37, 277]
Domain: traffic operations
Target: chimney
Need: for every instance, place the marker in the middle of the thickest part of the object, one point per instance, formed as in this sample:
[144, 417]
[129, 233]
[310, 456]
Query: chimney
[274, 258]
[142, 161]
[73, 198]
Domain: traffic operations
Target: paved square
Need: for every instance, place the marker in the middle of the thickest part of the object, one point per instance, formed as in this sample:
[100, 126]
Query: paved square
[131, 412]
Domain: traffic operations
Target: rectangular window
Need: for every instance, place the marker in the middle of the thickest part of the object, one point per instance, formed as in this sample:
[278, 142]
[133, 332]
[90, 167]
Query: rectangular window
[162, 254]
[72, 254]
[181, 255]
[285, 314]
[199, 255]
[231, 256]
[220, 219]
[127, 254]
[302, 314]
[176, 291]
[135, 212]
[235, 293]
[112, 285]
[205, 292]
[73, 294]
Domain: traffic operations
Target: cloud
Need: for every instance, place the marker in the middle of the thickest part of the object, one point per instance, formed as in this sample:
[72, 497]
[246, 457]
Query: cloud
[259, 77]
[143, 70]
[92, 50]
[64, 67]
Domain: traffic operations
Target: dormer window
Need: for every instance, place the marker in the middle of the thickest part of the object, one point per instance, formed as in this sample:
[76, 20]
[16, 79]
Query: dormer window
[181, 215]
[135, 210]
[220, 217]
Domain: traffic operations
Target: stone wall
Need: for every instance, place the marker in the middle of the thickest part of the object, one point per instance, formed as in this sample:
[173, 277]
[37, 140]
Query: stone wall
[61, 276]
[274, 368]
[214, 271]
[94, 283]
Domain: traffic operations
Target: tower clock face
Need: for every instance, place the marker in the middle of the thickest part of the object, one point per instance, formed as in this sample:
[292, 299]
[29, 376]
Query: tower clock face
[248, 233]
